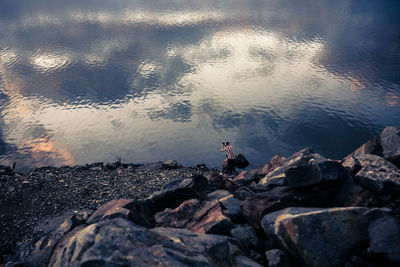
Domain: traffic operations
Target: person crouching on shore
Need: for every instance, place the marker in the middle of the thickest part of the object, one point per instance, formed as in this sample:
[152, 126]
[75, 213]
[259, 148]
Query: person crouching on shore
[230, 166]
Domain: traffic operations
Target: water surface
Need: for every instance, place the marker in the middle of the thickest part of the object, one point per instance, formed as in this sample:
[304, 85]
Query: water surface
[96, 80]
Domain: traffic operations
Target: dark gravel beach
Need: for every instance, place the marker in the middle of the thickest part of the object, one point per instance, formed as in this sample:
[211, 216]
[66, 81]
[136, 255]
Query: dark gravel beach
[35, 202]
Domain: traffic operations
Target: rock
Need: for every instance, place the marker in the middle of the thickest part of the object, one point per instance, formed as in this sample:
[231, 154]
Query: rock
[246, 177]
[231, 208]
[98, 166]
[297, 159]
[177, 191]
[321, 237]
[217, 179]
[256, 206]
[242, 261]
[196, 216]
[277, 258]
[379, 176]
[113, 165]
[247, 237]
[386, 145]
[274, 163]
[384, 236]
[218, 194]
[350, 194]
[39, 253]
[317, 169]
[121, 242]
[133, 210]
[171, 164]
[390, 141]
[355, 163]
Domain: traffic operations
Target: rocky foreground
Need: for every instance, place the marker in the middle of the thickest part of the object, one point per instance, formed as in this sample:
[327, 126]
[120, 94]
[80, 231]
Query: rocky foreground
[304, 210]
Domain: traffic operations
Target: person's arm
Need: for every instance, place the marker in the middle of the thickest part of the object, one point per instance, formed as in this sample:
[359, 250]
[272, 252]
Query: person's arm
[223, 149]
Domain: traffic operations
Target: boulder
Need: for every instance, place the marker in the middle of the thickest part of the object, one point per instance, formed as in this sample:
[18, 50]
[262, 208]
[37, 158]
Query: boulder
[256, 206]
[386, 145]
[355, 163]
[390, 141]
[350, 194]
[384, 236]
[318, 169]
[38, 253]
[177, 191]
[197, 216]
[297, 159]
[231, 208]
[113, 165]
[247, 237]
[130, 209]
[379, 176]
[277, 258]
[321, 237]
[119, 242]
[245, 178]
[218, 194]
[274, 163]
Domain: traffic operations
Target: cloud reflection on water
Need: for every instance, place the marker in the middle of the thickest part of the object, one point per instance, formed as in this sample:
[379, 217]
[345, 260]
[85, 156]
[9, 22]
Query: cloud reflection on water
[146, 83]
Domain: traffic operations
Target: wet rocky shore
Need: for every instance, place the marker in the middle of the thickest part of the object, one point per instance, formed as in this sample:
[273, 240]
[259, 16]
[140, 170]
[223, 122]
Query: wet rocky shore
[303, 210]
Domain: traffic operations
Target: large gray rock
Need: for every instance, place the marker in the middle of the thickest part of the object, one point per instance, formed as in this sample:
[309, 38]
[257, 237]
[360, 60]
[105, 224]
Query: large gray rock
[390, 141]
[305, 168]
[247, 236]
[38, 253]
[119, 242]
[379, 176]
[274, 163]
[137, 211]
[318, 169]
[246, 177]
[384, 235]
[231, 208]
[257, 205]
[350, 194]
[321, 237]
[177, 191]
[197, 216]
[299, 158]
[386, 145]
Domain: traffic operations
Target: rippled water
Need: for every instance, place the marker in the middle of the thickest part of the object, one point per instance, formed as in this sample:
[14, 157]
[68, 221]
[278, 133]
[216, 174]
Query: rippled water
[96, 80]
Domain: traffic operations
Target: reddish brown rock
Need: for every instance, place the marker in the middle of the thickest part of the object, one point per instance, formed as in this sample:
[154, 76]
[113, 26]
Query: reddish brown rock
[196, 216]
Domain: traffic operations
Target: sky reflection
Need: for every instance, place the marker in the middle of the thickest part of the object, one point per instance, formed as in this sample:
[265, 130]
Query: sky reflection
[148, 80]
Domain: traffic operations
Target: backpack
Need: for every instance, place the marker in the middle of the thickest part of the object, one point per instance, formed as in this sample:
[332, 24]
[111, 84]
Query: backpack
[241, 162]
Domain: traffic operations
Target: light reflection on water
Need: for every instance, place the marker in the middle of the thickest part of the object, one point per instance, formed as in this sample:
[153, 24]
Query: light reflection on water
[145, 81]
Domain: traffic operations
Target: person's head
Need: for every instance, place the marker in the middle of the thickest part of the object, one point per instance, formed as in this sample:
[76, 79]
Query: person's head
[227, 143]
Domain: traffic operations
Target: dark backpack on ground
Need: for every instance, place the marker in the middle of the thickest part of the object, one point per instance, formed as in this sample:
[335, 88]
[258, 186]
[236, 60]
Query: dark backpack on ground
[241, 162]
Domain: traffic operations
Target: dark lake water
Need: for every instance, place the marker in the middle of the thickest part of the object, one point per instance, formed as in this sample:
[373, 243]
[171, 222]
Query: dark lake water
[96, 80]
